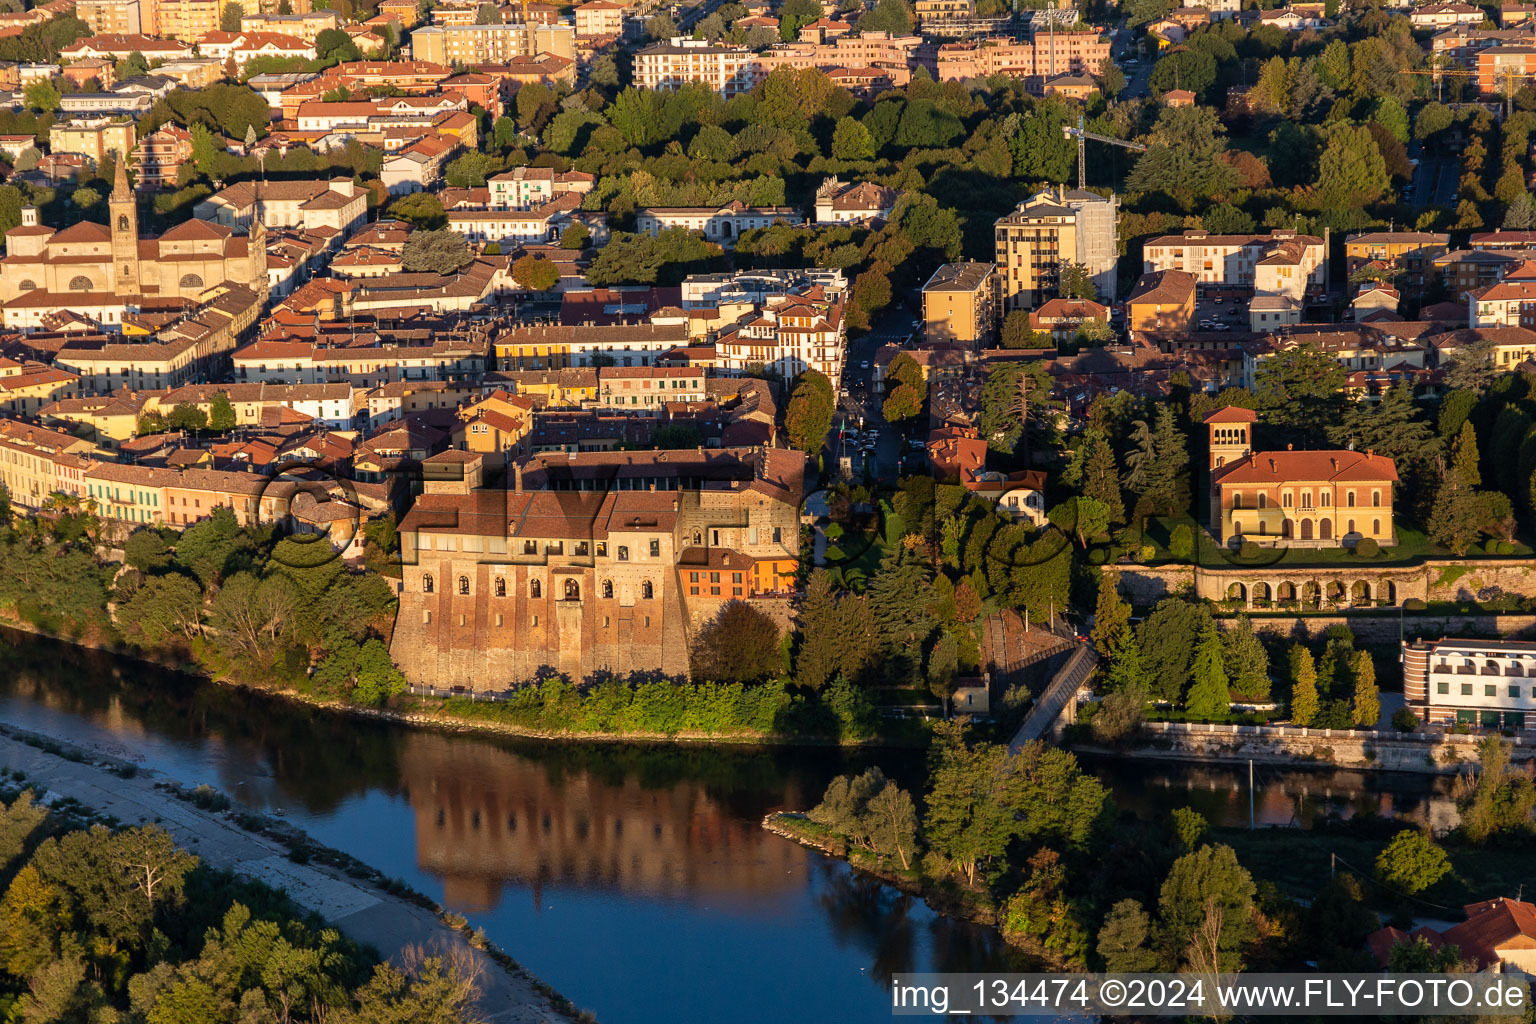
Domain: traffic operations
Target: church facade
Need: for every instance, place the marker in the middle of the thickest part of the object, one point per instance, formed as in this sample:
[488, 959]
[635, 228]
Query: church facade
[106, 266]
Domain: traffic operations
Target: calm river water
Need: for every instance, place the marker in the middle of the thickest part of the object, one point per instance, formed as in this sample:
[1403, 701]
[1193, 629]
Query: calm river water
[637, 881]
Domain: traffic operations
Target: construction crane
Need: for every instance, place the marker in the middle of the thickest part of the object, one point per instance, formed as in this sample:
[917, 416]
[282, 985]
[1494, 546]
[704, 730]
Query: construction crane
[1081, 134]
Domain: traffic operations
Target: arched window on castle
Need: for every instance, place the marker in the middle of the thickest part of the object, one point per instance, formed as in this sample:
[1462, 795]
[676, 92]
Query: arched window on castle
[646, 590]
[463, 584]
[535, 590]
[191, 281]
[426, 583]
[572, 590]
[122, 222]
[80, 284]
[608, 588]
[501, 587]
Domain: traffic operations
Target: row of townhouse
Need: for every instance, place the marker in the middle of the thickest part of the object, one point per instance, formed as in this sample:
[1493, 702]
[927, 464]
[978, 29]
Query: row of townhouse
[185, 350]
[37, 464]
[730, 70]
[311, 362]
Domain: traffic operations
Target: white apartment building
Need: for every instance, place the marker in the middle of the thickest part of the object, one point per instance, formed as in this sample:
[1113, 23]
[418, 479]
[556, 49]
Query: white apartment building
[1507, 303]
[523, 188]
[1489, 684]
[790, 334]
[727, 70]
[509, 227]
[305, 205]
[1280, 263]
[755, 287]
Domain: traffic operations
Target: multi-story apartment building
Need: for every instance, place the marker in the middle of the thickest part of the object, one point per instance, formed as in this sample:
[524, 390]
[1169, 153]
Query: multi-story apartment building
[1163, 302]
[306, 205]
[1487, 684]
[648, 390]
[306, 26]
[103, 16]
[960, 305]
[559, 347]
[1062, 319]
[1507, 303]
[188, 20]
[316, 362]
[587, 561]
[753, 287]
[839, 202]
[1437, 16]
[1280, 263]
[893, 56]
[723, 225]
[1511, 346]
[1408, 253]
[1505, 68]
[479, 44]
[1502, 240]
[1045, 55]
[158, 157]
[599, 18]
[933, 15]
[120, 46]
[727, 70]
[26, 387]
[1295, 498]
[524, 188]
[1049, 229]
[789, 334]
[94, 138]
[36, 462]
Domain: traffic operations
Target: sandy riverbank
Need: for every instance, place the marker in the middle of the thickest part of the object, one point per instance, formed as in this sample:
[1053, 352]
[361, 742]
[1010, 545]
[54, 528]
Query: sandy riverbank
[388, 923]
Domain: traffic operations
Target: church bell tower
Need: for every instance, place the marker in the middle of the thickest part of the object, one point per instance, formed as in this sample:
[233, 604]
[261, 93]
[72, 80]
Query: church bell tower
[125, 233]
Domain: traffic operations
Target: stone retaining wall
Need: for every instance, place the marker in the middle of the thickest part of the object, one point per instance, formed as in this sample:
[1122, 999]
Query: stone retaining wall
[1345, 748]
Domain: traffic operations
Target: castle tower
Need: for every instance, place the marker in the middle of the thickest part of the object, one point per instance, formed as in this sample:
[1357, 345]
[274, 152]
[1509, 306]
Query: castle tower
[1231, 436]
[125, 233]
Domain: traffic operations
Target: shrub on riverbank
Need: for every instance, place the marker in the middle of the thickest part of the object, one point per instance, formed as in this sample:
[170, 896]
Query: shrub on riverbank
[668, 708]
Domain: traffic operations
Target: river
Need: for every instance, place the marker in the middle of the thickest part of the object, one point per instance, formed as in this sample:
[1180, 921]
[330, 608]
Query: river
[637, 881]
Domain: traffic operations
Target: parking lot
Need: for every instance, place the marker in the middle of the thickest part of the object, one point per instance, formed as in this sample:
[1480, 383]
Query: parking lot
[1221, 315]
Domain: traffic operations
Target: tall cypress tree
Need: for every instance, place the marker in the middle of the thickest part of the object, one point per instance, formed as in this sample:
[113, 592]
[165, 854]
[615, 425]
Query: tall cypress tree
[1208, 696]
[1304, 704]
[1367, 704]
[1458, 509]
[1094, 471]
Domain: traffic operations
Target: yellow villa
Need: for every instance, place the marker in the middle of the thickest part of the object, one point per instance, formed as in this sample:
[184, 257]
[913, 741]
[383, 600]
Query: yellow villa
[1295, 498]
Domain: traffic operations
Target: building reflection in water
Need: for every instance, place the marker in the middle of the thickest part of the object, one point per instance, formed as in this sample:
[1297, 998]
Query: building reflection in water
[486, 817]
[1289, 797]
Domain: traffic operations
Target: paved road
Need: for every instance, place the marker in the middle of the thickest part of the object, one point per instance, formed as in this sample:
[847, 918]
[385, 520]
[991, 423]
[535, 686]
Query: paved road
[859, 409]
[368, 915]
[1435, 182]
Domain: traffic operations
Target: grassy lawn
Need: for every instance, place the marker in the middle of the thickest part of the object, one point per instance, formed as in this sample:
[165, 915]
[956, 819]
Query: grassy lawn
[856, 555]
[1412, 548]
